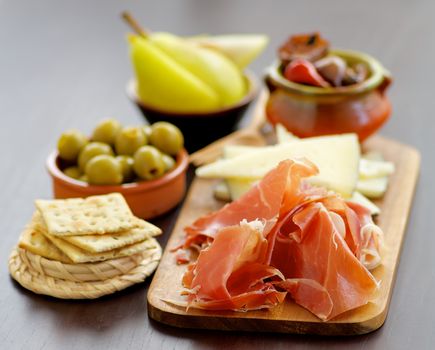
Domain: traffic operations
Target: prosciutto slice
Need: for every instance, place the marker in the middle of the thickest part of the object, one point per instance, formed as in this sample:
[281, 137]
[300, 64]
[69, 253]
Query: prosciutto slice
[371, 237]
[284, 237]
[323, 274]
[278, 190]
[231, 272]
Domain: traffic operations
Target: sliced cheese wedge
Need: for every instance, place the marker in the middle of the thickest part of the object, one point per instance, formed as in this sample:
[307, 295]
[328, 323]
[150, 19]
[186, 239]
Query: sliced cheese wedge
[232, 151]
[337, 158]
[283, 135]
[238, 188]
[373, 188]
[373, 155]
[358, 198]
[369, 169]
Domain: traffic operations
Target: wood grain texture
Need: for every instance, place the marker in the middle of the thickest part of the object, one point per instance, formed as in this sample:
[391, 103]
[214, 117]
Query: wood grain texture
[289, 317]
[64, 64]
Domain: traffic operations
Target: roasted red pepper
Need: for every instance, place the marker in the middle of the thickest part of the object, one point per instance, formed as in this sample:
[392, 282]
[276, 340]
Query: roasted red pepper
[303, 71]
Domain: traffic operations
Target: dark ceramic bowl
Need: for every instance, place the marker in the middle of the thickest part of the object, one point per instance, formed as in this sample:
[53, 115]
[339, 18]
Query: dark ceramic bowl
[200, 129]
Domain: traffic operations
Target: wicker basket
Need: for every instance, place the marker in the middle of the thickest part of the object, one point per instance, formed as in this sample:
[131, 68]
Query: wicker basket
[81, 281]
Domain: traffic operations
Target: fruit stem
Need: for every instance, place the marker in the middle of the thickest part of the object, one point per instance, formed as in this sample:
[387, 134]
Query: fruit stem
[134, 24]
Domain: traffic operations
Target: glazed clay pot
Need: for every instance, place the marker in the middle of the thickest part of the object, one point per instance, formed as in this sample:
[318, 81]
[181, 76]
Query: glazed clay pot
[312, 111]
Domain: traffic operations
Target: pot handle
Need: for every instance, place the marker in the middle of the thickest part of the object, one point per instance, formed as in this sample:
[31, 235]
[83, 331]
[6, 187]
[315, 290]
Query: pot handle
[270, 85]
[386, 82]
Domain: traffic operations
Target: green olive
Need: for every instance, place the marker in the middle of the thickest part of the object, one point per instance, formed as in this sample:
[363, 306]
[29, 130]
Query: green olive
[126, 163]
[91, 150]
[169, 162]
[148, 163]
[104, 170]
[73, 172]
[106, 131]
[84, 178]
[70, 144]
[129, 140]
[166, 137]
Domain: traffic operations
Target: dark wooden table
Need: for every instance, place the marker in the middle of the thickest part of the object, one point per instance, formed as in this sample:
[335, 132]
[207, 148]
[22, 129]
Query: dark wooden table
[64, 64]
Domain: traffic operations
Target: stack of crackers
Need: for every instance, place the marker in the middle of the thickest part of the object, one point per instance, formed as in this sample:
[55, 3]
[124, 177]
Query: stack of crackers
[84, 248]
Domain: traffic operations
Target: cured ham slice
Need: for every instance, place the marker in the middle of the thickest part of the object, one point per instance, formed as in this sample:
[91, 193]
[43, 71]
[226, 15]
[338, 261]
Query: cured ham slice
[371, 237]
[362, 236]
[309, 294]
[284, 237]
[324, 275]
[353, 221]
[231, 272]
[278, 190]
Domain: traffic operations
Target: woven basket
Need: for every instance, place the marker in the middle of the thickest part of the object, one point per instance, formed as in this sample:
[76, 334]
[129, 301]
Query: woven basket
[99, 271]
[69, 281]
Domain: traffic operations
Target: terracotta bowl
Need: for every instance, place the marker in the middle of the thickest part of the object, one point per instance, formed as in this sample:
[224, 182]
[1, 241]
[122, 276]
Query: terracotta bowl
[200, 129]
[147, 199]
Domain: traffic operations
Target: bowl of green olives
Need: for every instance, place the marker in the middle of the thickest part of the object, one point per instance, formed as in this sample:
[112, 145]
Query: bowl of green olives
[146, 164]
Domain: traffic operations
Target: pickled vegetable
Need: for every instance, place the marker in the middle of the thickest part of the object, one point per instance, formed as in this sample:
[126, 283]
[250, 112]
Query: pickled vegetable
[332, 68]
[303, 72]
[307, 46]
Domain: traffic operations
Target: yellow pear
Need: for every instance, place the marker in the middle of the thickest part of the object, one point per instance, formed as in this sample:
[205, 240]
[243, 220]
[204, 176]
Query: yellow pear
[211, 67]
[164, 84]
[242, 49]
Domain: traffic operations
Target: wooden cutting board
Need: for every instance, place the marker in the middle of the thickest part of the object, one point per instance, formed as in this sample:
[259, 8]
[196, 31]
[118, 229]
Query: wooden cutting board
[290, 317]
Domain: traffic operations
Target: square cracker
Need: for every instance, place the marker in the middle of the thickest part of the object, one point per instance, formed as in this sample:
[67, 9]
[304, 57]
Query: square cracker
[91, 215]
[78, 255]
[36, 243]
[106, 242]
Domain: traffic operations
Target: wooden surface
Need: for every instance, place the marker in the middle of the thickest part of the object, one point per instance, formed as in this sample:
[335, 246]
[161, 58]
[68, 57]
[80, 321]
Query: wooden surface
[289, 317]
[63, 64]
